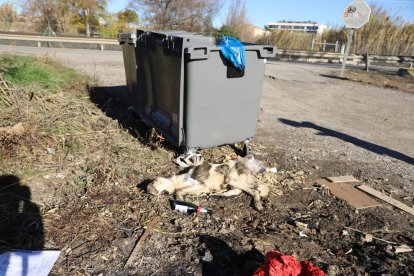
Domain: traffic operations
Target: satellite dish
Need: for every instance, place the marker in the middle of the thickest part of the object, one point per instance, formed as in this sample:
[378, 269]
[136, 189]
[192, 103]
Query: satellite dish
[356, 14]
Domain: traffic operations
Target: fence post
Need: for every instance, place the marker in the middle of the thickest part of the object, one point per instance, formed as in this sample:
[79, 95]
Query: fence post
[367, 62]
[324, 46]
[336, 46]
[313, 44]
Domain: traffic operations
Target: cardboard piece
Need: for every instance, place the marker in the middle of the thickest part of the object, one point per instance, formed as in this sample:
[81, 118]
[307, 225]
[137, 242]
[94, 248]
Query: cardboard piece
[346, 178]
[347, 192]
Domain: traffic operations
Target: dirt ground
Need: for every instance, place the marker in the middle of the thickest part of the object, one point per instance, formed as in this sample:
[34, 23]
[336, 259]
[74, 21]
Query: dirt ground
[94, 207]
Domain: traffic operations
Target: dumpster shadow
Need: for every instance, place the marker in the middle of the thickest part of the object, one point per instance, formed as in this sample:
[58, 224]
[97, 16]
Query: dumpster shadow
[225, 261]
[350, 139]
[21, 225]
[114, 102]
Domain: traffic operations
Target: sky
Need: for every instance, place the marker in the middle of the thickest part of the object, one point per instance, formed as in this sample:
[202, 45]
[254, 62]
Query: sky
[329, 12]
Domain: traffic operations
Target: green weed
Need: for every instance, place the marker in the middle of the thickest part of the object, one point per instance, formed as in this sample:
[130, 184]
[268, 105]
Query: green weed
[41, 72]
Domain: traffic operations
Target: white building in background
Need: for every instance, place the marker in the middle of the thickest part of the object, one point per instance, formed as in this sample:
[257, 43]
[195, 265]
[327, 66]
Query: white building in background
[297, 26]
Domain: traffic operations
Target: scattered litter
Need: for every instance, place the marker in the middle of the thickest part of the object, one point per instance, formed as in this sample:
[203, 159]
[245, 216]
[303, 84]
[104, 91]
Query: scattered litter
[90, 269]
[60, 176]
[271, 170]
[51, 151]
[348, 252]
[387, 199]
[367, 238]
[28, 263]
[330, 252]
[345, 233]
[346, 191]
[233, 51]
[302, 226]
[189, 160]
[340, 179]
[302, 234]
[277, 264]
[399, 249]
[188, 208]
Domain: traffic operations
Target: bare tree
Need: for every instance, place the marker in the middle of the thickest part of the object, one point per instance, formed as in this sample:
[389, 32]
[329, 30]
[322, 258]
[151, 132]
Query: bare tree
[52, 13]
[237, 19]
[8, 15]
[190, 15]
[64, 15]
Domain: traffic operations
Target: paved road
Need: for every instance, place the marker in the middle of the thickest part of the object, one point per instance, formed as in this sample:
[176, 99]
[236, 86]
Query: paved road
[299, 93]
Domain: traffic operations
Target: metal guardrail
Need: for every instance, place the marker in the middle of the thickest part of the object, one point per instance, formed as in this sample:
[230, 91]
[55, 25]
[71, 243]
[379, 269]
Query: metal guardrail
[310, 56]
[296, 55]
[60, 39]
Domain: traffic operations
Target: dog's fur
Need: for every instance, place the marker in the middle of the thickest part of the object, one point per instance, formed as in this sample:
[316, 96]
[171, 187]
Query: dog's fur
[227, 179]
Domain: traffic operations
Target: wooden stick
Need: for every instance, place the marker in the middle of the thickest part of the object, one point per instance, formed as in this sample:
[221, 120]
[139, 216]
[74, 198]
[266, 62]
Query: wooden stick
[387, 199]
[140, 242]
[375, 238]
[402, 249]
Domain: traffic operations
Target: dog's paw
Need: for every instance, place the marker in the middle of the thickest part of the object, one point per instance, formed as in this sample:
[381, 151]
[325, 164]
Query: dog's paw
[259, 206]
[179, 196]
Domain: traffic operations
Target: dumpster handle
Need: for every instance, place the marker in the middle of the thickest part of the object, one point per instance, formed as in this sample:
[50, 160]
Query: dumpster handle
[267, 51]
[198, 52]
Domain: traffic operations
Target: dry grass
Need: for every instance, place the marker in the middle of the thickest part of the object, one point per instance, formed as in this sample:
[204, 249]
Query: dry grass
[380, 79]
[81, 167]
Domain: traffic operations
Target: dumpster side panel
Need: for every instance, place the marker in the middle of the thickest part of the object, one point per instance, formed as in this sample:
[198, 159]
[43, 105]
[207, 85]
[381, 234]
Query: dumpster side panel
[128, 51]
[159, 86]
[221, 110]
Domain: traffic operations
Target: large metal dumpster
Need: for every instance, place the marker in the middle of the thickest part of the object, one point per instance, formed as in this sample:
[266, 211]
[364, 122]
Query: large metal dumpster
[183, 87]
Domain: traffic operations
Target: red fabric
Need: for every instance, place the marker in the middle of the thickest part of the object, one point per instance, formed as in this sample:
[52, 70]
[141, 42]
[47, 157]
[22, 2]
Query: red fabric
[277, 264]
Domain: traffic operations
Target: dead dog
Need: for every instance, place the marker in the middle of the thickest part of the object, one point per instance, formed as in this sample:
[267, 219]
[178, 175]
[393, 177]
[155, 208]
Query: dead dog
[226, 179]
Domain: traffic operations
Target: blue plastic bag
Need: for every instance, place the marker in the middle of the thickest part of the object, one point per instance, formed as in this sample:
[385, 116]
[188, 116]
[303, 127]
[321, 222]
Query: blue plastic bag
[233, 51]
